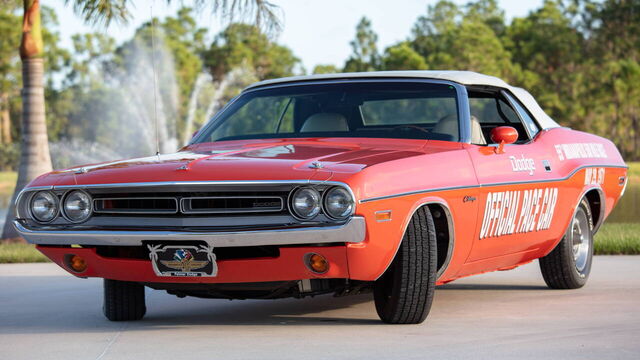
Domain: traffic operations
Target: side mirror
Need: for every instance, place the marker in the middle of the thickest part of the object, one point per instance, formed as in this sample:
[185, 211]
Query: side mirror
[502, 135]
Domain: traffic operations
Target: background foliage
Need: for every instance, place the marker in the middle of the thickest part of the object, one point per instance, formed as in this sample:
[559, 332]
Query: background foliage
[579, 58]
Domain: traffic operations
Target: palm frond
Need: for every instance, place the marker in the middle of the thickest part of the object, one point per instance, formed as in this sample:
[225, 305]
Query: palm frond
[264, 14]
[102, 11]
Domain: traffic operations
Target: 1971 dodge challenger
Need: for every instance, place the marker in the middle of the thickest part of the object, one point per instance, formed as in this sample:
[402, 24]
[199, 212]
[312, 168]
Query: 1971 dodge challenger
[390, 182]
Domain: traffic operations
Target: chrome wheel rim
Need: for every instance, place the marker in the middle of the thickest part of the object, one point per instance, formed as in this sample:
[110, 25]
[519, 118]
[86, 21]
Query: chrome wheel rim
[581, 241]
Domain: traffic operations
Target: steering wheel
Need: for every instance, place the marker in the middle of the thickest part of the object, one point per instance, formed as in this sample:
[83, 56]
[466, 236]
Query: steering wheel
[411, 127]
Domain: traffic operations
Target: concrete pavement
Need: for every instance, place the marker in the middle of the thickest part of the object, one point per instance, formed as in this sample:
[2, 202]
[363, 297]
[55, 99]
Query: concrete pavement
[47, 314]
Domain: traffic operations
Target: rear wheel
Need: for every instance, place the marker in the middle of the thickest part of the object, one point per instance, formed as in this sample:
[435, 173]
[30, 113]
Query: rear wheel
[123, 300]
[404, 293]
[569, 264]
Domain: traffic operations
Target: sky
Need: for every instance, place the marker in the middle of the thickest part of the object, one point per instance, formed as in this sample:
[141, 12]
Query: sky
[318, 31]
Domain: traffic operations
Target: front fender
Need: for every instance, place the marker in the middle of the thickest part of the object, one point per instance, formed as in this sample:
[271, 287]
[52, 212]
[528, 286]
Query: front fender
[371, 258]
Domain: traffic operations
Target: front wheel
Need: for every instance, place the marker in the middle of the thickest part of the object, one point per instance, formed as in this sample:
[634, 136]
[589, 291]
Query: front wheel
[123, 300]
[404, 293]
[569, 264]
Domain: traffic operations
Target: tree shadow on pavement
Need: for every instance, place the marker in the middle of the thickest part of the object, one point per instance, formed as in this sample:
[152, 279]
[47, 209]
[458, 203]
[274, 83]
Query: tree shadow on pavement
[66, 305]
[320, 310]
[84, 315]
[479, 287]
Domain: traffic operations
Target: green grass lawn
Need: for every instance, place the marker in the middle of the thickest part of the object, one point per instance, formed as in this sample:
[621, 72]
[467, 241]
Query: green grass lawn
[10, 176]
[7, 181]
[634, 169]
[618, 239]
[20, 253]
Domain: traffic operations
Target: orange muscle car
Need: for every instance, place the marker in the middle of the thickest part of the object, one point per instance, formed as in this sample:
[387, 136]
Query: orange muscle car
[388, 182]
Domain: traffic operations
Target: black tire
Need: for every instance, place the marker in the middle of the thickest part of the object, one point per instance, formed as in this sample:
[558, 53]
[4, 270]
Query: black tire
[404, 293]
[123, 301]
[561, 269]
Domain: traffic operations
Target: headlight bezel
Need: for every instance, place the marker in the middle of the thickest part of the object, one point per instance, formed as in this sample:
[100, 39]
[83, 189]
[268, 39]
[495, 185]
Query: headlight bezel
[323, 191]
[63, 203]
[56, 207]
[291, 200]
[325, 207]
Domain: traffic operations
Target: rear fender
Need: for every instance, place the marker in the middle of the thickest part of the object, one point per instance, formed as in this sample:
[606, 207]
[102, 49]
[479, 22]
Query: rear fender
[588, 189]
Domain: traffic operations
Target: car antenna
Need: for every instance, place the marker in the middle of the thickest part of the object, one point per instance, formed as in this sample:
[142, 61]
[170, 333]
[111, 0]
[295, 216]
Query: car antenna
[155, 85]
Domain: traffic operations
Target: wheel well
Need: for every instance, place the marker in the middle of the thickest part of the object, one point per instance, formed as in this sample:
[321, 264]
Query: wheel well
[444, 241]
[595, 203]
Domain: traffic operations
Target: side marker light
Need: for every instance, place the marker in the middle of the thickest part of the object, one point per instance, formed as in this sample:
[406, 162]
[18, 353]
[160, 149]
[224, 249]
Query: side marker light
[384, 215]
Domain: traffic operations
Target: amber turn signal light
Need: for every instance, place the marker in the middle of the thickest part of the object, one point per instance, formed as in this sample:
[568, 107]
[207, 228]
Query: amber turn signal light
[76, 263]
[317, 263]
[384, 215]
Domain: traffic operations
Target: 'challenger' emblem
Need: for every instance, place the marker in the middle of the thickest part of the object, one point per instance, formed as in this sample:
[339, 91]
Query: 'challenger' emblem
[183, 260]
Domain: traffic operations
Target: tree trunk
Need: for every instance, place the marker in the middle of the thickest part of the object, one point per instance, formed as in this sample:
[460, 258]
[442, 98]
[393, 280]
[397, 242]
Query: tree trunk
[5, 119]
[34, 156]
[34, 152]
[636, 136]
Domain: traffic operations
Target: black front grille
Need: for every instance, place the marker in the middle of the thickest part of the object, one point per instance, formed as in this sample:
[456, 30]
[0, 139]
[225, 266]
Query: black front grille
[220, 204]
[136, 205]
[190, 203]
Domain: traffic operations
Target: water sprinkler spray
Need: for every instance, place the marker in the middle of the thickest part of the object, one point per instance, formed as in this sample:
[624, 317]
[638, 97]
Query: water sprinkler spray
[155, 85]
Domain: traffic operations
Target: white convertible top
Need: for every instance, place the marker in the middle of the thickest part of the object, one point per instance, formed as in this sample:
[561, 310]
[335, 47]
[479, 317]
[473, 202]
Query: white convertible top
[461, 77]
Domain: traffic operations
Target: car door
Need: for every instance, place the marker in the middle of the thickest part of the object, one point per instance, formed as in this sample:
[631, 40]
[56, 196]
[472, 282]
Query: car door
[516, 201]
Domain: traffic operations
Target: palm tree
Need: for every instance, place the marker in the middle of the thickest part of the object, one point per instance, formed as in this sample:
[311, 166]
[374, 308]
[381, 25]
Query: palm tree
[34, 157]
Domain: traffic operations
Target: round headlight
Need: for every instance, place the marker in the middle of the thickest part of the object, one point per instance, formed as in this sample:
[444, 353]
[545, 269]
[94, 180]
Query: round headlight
[77, 206]
[305, 203]
[44, 206]
[338, 203]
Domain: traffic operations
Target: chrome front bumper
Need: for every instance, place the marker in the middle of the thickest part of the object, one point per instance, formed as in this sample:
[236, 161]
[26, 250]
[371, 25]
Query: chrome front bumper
[351, 232]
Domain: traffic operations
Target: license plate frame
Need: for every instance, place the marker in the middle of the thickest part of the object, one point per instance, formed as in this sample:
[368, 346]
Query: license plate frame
[171, 260]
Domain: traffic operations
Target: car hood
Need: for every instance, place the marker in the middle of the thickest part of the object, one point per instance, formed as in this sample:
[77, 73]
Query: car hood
[297, 159]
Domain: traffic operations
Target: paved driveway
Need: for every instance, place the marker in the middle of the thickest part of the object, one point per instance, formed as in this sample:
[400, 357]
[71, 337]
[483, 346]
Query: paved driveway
[47, 314]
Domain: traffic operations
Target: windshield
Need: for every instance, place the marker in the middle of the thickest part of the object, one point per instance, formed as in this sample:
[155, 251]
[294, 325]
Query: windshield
[356, 109]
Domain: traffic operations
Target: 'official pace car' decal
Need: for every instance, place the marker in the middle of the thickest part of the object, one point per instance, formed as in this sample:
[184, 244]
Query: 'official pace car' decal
[581, 151]
[518, 211]
[522, 164]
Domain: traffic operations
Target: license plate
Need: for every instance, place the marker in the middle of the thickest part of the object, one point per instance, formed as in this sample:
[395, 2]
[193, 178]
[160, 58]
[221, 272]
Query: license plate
[185, 261]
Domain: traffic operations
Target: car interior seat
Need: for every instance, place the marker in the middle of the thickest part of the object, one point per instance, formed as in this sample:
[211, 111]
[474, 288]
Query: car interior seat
[449, 125]
[324, 122]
